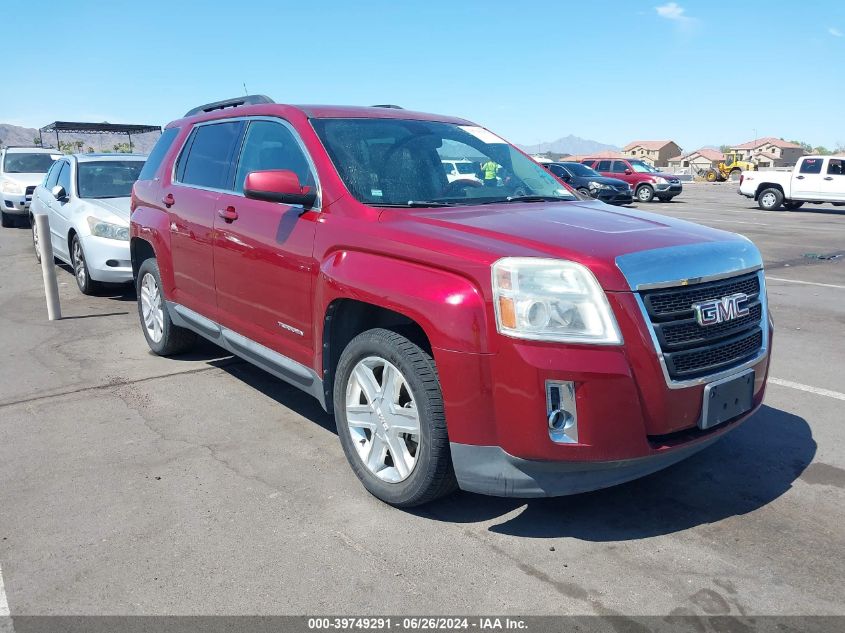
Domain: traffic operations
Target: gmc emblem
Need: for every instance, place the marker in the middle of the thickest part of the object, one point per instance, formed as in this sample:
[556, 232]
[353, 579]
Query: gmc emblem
[721, 310]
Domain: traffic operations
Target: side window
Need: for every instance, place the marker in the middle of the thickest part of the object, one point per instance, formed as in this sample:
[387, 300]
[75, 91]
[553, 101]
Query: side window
[207, 158]
[558, 171]
[157, 155]
[271, 145]
[53, 175]
[619, 166]
[64, 177]
[836, 167]
[604, 165]
[812, 166]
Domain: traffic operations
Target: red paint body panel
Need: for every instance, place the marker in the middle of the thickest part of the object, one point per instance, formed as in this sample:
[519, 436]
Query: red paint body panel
[276, 264]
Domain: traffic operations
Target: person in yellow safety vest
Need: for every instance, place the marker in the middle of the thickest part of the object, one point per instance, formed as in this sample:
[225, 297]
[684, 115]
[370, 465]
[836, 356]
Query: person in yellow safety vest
[490, 170]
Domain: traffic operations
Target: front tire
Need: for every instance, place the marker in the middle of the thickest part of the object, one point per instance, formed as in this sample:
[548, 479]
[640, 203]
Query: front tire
[87, 286]
[164, 338]
[35, 238]
[770, 199]
[585, 192]
[389, 411]
[645, 193]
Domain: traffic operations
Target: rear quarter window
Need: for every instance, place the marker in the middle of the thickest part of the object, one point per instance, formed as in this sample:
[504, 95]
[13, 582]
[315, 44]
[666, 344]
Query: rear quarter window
[157, 155]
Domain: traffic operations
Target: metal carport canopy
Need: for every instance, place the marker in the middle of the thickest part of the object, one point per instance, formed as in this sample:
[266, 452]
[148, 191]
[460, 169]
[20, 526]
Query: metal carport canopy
[78, 127]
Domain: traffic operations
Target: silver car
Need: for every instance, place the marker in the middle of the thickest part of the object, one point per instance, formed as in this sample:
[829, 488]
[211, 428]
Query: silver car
[21, 170]
[86, 197]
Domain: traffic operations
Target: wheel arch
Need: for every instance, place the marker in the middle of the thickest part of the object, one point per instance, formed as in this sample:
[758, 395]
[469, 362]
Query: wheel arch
[768, 185]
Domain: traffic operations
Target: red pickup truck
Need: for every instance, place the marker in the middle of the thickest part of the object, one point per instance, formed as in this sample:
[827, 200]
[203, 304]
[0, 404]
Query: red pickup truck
[507, 338]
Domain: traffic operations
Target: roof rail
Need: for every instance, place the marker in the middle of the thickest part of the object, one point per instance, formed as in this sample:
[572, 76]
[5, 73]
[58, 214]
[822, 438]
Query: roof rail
[387, 105]
[230, 103]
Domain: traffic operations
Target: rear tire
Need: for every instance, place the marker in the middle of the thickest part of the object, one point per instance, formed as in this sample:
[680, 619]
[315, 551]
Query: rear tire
[645, 193]
[164, 338]
[385, 383]
[770, 199]
[791, 205]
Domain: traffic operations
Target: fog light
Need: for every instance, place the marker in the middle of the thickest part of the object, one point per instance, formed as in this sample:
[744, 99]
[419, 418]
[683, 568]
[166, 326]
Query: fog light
[561, 411]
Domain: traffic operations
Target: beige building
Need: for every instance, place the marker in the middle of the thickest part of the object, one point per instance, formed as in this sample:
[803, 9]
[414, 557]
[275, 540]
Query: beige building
[769, 152]
[656, 153]
[698, 161]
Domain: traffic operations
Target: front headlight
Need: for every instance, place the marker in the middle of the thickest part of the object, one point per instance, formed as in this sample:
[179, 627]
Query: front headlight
[551, 300]
[597, 185]
[661, 181]
[10, 187]
[101, 228]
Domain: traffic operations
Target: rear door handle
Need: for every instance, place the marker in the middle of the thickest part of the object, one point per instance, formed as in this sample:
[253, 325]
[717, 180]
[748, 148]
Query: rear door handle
[168, 200]
[800, 177]
[228, 214]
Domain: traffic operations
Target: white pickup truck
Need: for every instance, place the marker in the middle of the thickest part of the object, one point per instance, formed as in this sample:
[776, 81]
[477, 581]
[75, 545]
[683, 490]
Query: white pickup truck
[815, 179]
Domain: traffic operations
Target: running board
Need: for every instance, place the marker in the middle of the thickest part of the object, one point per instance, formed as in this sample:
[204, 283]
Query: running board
[263, 357]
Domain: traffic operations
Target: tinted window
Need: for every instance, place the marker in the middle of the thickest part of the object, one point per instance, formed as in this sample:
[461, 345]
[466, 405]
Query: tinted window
[270, 145]
[53, 175]
[206, 160]
[836, 167]
[64, 177]
[604, 165]
[558, 171]
[812, 166]
[107, 179]
[619, 167]
[581, 170]
[157, 155]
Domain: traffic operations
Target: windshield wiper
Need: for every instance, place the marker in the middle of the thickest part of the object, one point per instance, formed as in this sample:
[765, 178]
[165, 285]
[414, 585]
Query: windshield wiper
[529, 199]
[411, 204]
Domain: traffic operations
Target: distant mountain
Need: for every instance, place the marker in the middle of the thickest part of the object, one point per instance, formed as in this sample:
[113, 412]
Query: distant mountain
[571, 144]
[15, 135]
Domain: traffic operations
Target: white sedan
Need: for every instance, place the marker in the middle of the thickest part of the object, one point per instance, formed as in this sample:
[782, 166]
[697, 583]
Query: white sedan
[86, 197]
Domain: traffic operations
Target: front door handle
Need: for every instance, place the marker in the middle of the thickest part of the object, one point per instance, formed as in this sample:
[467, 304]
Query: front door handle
[800, 177]
[228, 214]
[828, 177]
[168, 200]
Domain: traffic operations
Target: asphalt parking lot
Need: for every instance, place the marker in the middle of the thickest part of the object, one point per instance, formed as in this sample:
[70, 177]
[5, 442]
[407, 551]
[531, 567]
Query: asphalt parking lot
[132, 484]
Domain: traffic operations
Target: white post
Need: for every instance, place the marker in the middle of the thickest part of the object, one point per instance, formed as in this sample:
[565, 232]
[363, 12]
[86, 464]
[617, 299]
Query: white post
[48, 266]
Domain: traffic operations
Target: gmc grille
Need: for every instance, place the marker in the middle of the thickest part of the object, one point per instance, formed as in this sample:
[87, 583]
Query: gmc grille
[691, 350]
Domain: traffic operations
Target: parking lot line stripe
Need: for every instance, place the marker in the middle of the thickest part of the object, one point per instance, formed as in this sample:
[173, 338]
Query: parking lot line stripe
[808, 283]
[4, 604]
[689, 217]
[816, 390]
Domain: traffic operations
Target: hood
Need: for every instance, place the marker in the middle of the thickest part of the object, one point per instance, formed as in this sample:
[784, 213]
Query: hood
[26, 180]
[115, 206]
[605, 180]
[665, 175]
[589, 232]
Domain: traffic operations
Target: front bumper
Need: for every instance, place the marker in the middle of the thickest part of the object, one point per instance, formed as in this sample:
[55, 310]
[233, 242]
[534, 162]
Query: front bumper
[108, 260]
[615, 196]
[489, 470]
[15, 204]
[669, 190]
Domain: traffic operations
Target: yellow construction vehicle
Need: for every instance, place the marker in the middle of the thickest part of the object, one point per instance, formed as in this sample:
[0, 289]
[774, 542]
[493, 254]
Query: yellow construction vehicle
[729, 169]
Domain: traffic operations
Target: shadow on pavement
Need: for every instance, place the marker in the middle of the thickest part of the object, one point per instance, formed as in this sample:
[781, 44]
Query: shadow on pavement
[747, 469]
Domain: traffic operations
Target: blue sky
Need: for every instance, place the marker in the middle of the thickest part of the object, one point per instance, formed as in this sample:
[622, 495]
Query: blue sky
[613, 71]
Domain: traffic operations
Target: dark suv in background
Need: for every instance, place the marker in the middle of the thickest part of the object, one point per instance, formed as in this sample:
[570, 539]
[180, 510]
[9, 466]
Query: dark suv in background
[589, 182]
[646, 181]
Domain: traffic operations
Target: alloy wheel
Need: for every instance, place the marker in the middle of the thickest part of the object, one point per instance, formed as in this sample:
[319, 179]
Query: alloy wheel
[79, 263]
[382, 419]
[769, 200]
[152, 310]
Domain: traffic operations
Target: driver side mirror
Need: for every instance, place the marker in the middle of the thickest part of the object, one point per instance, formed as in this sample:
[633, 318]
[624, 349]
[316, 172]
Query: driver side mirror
[59, 193]
[278, 185]
[628, 172]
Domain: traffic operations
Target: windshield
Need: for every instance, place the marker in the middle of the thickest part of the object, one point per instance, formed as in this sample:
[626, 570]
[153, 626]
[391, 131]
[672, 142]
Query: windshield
[20, 163]
[391, 162]
[642, 168]
[582, 171]
[107, 178]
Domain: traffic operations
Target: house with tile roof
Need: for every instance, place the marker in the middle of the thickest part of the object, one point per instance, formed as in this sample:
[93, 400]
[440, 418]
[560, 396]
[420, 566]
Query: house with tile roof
[769, 152]
[698, 161]
[656, 153]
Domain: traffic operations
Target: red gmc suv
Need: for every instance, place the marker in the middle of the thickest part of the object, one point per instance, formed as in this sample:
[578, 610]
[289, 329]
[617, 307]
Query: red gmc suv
[506, 338]
[647, 182]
